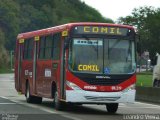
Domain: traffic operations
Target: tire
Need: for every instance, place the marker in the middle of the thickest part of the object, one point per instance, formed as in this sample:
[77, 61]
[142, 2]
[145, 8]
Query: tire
[58, 105]
[30, 98]
[112, 107]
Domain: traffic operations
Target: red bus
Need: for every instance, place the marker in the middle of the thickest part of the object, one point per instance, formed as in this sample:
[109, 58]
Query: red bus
[77, 63]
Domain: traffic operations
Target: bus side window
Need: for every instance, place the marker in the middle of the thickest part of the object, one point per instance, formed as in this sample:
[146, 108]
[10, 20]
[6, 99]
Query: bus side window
[28, 48]
[48, 47]
[42, 48]
[56, 46]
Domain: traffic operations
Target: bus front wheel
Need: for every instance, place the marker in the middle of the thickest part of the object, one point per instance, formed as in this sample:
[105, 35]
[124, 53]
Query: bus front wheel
[112, 107]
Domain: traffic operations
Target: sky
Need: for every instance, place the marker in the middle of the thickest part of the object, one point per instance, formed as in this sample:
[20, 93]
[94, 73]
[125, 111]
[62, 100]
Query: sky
[114, 9]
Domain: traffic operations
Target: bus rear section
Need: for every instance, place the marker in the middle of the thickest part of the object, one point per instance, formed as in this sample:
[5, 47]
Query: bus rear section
[95, 64]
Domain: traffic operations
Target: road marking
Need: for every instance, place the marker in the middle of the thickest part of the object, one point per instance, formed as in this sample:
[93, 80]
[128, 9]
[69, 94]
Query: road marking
[52, 111]
[6, 81]
[35, 106]
[140, 105]
[70, 117]
[148, 104]
[4, 97]
[31, 105]
[137, 107]
[7, 103]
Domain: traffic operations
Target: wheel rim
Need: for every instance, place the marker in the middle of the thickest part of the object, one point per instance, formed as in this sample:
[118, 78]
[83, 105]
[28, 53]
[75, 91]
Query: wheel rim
[56, 98]
[27, 95]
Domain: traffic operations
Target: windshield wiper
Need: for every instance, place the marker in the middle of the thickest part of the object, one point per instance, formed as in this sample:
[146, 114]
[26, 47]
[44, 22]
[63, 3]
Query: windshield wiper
[118, 40]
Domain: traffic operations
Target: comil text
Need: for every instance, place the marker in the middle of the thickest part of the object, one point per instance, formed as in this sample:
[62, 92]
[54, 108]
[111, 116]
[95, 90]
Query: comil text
[107, 30]
[88, 68]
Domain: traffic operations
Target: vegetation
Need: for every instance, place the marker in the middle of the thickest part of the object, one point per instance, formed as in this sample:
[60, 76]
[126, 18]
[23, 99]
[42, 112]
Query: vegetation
[5, 70]
[146, 20]
[18, 16]
[144, 79]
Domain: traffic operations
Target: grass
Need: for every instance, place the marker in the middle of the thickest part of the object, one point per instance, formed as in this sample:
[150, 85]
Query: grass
[144, 79]
[5, 70]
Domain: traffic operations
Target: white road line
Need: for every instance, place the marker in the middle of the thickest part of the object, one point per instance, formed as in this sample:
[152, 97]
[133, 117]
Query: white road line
[7, 103]
[6, 81]
[31, 105]
[70, 117]
[138, 107]
[150, 104]
[52, 111]
[4, 97]
[3, 103]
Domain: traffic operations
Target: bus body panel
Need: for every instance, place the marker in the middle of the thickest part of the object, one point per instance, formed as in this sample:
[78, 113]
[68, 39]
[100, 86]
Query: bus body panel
[81, 96]
[100, 88]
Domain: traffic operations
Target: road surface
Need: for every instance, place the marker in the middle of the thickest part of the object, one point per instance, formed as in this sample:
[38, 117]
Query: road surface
[13, 105]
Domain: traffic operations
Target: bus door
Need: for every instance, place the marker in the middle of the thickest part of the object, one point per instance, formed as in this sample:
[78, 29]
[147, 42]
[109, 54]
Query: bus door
[35, 55]
[62, 72]
[20, 57]
[63, 60]
[44, 66]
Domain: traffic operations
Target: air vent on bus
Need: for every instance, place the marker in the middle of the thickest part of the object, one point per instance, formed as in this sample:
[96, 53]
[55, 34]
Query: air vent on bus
[92, 98]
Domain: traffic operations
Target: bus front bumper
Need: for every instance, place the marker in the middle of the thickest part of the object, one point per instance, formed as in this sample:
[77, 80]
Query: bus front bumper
[81, 96]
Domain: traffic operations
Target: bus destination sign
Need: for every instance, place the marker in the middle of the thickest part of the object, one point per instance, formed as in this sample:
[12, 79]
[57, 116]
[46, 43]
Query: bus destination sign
[104, 30]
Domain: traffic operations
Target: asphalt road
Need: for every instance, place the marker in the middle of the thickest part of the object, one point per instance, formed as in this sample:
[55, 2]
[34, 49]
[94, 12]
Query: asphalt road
[14, 106]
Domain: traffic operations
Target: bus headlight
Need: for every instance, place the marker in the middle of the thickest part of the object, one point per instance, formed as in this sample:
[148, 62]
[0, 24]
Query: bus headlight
[72, 85]
[131, 87]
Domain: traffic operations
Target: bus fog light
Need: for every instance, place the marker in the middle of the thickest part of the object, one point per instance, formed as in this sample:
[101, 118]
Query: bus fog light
[131, 87]
[73, 86]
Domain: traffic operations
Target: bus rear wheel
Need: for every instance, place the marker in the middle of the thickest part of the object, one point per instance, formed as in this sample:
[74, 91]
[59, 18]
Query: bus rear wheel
[112, 107]
[30, 98]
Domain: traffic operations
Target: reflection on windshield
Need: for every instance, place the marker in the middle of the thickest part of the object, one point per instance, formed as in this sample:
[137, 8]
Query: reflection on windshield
[87, 55]
[119, 56]
[103, 56]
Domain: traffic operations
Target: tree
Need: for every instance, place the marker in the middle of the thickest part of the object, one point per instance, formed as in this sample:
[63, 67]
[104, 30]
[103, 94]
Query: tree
[9, 14]
[146, 19]
[3, 54]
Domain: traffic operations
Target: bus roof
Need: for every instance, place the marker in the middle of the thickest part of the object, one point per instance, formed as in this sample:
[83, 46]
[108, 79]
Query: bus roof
[61, 28]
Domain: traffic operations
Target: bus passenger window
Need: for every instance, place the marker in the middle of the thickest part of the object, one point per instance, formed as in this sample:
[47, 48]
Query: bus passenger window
[46, 43]
[28, 47]
[56, 46]
[42, 48]
[48, 46]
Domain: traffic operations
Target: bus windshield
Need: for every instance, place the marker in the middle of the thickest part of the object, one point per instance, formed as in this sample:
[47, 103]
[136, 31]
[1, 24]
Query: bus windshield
[102, 56]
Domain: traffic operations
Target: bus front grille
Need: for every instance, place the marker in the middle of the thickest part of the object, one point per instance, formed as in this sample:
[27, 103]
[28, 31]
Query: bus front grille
[92, 98]
[103, 81]
[111, 80]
